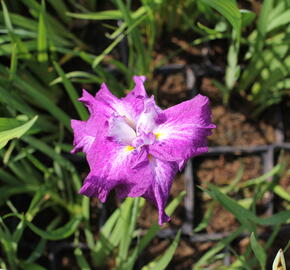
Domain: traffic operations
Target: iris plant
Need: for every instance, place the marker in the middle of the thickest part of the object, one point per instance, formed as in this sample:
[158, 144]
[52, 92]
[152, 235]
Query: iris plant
[135, 147]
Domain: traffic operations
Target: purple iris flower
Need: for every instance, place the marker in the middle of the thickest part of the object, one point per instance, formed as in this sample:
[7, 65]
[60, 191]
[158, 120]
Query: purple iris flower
[136, 148]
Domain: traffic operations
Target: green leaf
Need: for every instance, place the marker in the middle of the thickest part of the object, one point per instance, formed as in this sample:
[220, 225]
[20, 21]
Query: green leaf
[72, 93]
[18, 20]
[279, 21]
[14, 38]
[17, 132]
[13, 61]
[129, 214]
[31, 266]
[281, 192]
[229, 9]
[7, 245]
[107, 240]
[162, 262]
[15, 102]
[9, 123]
[8, 178]
[263, 178]
[146, 239]
[217, 248]
[207, 29]
[101, 15]
[279, 218]
[263, 20]
[132, 24]
[18, 231]
[224, 89]
[247, 17]
[135, 39]
[42, 35]
[106, 14]
[6, 16]
[258, 251]
[57, 234]
[43, 101]
[46, 149]
[245, 216]
[37, 251]
[81, 260]
[61, 8]
[242, 214]
[78, 76]
[206, 219]
[174, 203]
[7, 191]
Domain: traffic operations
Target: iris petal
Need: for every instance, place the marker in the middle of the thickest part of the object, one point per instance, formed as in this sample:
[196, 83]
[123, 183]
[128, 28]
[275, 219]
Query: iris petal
[82, 139]
[162, 174]
[135, 99]
[121, 131]
[150, 117]
[85, 132]
[185, 130]
[115, 167]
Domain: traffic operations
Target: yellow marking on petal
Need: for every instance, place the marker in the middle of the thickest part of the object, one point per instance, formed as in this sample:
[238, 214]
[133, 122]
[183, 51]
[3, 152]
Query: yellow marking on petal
[129, 148]
[158, 135]
[149, 157]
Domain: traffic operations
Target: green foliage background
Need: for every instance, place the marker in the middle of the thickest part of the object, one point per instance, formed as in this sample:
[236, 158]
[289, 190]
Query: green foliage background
[47, 56]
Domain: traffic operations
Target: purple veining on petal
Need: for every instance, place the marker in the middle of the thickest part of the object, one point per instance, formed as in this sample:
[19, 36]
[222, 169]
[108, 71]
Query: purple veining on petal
[184, 133]
[113, 104]
[134, 147]
[85, 132]
[121, 130]
[162, 173]
[144, 139]
[116, 167]
[135, 98]
[138, 91]
[82, 139]
[150, 117]
[88, 100]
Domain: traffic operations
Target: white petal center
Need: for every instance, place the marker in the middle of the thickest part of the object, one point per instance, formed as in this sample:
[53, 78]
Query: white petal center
[120, 130]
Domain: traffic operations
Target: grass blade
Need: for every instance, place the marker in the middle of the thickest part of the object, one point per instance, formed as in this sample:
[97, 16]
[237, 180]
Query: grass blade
[72, 93]
[162, 262]
[229, 9]
[17, 132]
[42, 36]
[43, 101]
[258, 251]
[56, 234]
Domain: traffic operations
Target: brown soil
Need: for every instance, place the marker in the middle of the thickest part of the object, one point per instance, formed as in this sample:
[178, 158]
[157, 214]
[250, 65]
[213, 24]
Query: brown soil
[223, 169]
